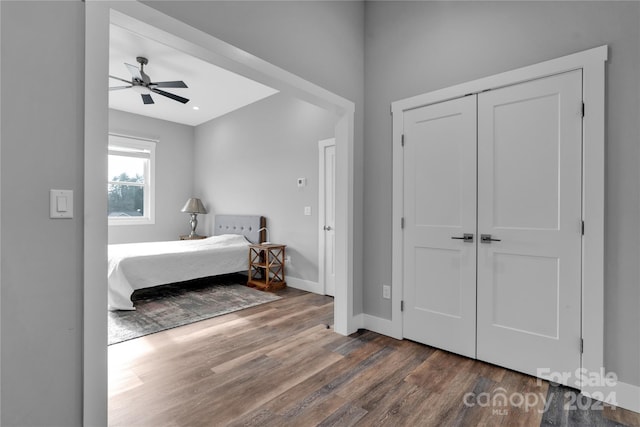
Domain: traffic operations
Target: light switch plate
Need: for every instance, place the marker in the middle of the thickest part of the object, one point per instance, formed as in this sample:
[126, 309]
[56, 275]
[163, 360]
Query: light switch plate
[307, 210]
[60, 204]
[386, 291]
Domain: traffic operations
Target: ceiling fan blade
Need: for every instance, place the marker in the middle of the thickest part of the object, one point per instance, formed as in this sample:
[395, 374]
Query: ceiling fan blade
[147, 99]
[118, 78]
[119, 87]
[170, 95]
[135, 72]
[170, 84]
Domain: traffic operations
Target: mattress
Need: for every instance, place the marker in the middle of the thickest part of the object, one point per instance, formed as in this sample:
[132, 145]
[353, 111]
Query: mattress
[142, 265]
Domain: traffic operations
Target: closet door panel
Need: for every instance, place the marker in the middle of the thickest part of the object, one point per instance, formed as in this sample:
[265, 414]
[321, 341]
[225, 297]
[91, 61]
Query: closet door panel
[529, 194]
[440, 202]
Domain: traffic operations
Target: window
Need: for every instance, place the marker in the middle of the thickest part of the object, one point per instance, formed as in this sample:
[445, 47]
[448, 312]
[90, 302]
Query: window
[130, 180]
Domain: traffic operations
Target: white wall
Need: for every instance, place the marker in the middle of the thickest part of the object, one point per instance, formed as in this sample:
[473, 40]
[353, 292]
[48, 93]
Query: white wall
[173, 176]
[417, 47]
[42, 148]
[247, 162]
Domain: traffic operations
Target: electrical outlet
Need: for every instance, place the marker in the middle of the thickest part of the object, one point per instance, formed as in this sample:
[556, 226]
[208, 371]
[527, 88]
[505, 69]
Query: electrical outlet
[386, 291]
[287, 259]
[307, 210]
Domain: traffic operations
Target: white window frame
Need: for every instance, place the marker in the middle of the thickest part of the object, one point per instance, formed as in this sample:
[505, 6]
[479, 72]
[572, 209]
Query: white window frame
[124, 145]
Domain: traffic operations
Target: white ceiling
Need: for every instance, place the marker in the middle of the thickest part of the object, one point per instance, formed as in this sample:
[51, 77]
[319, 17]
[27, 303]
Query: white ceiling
[213, 90]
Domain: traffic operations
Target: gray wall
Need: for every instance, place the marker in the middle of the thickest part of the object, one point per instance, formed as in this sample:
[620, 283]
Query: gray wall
[42, 148]
[411, 48]
[320, 41]
[417, 47]
[248, 161]
[174, 176]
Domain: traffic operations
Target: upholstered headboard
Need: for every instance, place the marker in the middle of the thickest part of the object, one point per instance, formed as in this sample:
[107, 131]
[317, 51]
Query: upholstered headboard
[247, 225]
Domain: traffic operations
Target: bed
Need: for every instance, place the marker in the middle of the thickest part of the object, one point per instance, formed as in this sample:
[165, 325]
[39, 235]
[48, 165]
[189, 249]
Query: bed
[143, 265]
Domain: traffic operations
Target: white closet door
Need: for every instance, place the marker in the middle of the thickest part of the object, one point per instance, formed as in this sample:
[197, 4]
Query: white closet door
[440, 203]
[529, 193]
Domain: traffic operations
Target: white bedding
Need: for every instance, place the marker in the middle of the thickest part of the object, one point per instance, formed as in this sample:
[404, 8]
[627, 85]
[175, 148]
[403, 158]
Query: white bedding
[142, 265]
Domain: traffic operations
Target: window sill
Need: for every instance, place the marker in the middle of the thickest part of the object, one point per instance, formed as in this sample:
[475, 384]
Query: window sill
[129, 221]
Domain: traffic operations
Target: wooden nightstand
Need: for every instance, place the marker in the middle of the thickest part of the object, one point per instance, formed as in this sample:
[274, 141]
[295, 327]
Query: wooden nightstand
[196, 237]
[266, 267]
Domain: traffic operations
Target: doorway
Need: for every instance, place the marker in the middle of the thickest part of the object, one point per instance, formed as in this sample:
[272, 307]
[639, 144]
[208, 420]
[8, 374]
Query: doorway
[183, 37]
[592, 65]
[326, 215]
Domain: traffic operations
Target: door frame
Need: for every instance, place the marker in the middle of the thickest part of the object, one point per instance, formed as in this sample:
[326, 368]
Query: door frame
[322, 145]
[592, 63]
[152, 23]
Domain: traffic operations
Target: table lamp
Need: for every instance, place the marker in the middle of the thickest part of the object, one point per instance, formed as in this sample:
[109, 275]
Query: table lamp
[194, 207]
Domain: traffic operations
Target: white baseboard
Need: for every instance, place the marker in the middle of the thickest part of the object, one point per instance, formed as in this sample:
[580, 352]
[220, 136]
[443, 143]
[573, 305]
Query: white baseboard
[622, 395]
[628, 396]
[305, 285]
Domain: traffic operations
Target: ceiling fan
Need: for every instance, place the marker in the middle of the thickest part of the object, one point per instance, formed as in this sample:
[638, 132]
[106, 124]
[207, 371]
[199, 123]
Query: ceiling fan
[141, 83]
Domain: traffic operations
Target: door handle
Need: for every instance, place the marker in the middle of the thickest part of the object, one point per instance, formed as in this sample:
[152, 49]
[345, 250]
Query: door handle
[467, 237]
[486, 238]
[327, 228]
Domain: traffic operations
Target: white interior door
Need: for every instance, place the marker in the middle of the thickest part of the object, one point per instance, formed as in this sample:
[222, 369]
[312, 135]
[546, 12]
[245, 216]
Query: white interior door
[529, 198]
[439, 290]
[326, 218]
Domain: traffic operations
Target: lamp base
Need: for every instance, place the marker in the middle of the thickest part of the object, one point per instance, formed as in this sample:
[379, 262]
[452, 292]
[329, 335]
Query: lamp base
[194, 223]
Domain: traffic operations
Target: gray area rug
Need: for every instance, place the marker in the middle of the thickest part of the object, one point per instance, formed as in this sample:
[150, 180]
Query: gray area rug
[169, 306]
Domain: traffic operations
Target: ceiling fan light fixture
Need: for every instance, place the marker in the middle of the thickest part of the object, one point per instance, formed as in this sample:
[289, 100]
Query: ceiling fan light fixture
[142, 84]
[141, 89]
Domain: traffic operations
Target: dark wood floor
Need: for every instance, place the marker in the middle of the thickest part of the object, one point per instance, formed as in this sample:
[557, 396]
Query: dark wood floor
[278, 365]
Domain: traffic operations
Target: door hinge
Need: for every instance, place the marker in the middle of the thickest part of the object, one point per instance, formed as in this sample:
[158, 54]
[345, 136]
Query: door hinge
[583, 109]
[401, 305]
[402, 222]
[583, 228]
[581, 345]
[402, 140]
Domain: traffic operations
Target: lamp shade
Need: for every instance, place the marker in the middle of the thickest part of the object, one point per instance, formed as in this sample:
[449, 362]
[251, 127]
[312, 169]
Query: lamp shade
[194, 205]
